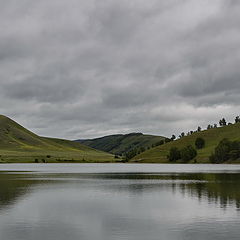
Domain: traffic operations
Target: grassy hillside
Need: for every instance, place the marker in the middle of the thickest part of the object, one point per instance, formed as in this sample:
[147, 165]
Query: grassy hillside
[211, 136]
[17, 144]
[118, 144]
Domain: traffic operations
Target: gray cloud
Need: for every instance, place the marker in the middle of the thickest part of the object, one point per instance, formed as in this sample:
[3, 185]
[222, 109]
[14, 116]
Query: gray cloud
[78, 69]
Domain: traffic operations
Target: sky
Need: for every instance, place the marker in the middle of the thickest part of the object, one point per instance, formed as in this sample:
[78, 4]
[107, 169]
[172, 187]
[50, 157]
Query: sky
[83, 69]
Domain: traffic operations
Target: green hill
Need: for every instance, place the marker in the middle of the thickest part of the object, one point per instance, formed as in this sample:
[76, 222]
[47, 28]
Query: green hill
[120, 143]
[17, 144]
[212, 137]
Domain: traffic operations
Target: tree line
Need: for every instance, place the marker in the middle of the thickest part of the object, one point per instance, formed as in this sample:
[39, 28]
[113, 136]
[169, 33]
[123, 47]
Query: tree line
[222, 122]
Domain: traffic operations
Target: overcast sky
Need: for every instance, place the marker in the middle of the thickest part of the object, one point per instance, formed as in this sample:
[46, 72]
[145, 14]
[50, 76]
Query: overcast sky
[83, 69]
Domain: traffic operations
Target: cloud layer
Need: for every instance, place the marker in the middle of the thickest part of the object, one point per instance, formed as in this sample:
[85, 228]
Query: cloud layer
[76, 69]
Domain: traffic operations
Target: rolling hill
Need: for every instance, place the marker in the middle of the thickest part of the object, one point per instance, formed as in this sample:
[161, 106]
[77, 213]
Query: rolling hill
[211, 137]
[120, 143]
[18, 144]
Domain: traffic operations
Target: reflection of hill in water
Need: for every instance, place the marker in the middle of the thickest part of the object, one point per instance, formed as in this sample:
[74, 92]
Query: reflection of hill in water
[12, 186]
[219, 188]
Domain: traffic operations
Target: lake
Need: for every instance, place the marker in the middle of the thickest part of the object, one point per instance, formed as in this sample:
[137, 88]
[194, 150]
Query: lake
[119, 201]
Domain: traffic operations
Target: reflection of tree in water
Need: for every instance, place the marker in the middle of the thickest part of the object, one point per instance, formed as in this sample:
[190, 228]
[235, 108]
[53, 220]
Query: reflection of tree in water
[219, 188]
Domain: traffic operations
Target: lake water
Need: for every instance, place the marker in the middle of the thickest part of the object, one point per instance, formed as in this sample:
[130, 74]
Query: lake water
[119, 201]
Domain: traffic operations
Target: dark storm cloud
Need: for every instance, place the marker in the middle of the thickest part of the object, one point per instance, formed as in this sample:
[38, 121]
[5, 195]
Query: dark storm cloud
[80, 69]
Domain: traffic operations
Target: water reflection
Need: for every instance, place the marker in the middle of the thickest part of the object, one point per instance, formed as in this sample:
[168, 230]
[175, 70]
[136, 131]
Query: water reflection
[106, 206]
[15, 185]
[219, 188]
[11, 188]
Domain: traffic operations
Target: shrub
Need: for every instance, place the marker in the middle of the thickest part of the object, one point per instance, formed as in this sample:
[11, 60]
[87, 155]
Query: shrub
[225, 151]
[234, 154]
[167, 140]
[131, 154]
[161, 142]
[174, 154]
[200, 143]
[188, 153]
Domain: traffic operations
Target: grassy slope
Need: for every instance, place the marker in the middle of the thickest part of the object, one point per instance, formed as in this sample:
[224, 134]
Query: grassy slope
[120, 143]
[17, 144]
[212, 138]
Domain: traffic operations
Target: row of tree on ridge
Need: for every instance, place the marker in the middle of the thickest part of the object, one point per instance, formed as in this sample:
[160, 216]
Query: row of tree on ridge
[189, 152]
[222, 123]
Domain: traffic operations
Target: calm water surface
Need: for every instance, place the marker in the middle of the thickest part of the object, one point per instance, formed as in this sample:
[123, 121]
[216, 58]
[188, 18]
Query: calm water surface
[119, 201]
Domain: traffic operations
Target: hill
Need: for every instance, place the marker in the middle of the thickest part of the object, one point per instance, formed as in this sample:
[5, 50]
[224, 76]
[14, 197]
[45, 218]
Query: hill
[17, 144]
[120, 143]
[212, 137]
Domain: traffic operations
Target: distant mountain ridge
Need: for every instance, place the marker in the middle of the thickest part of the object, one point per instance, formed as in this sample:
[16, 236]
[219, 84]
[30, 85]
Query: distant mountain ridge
[122, 143]
[19, 144]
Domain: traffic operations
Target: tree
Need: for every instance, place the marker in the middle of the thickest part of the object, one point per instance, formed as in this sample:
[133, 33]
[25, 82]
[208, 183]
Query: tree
[182, 135]
[215, 125]
[237, 119]
[200, 143]
[234, 154]
[222, 122]
[188, 153]
[199, 129]
[209, 126]
[173, 137]
[174, 154]
[226, 150]
[221, 152]
[129, 155]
